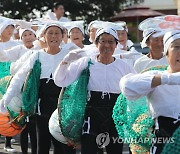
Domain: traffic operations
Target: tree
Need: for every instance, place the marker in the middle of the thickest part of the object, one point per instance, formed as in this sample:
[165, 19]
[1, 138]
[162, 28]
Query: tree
[87, 10]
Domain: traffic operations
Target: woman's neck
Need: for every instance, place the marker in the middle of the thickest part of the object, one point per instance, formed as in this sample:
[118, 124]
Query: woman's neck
[4, 39]
[30, 46]
[156, 56]
[80, 45]
[52, 51]
[105, 60]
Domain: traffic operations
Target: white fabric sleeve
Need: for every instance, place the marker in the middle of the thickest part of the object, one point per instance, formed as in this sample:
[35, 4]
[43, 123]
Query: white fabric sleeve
[170, 79]
[10, 55]
[66, 74]
[18, 80]
[15, 66]
[134, 86]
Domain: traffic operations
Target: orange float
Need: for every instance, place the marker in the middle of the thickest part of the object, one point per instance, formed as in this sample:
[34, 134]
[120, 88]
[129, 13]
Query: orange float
[8, 127]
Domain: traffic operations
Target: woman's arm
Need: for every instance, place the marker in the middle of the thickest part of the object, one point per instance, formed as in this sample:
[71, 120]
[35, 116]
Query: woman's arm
[10, 55]
[18, 80]
[15, 66]
[66, 73]
[134, 86]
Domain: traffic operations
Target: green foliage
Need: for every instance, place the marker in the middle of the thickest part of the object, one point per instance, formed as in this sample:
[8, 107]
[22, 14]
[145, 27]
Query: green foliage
[87, 10]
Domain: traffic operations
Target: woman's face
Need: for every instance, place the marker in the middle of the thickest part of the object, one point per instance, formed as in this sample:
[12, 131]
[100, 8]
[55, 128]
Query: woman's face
[106, 44]
[53, 36]
[155, 44]
[92, 33]
[173, 56]
[76, 36]
[122, 35]
[8, 31]
[28, 38]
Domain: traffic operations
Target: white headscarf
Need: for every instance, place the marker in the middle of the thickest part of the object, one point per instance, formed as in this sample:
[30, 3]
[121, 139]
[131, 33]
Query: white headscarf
[146, 34]
[169, 37]
[4, 24]
[106, 30]
[75, 26]
[22, 30]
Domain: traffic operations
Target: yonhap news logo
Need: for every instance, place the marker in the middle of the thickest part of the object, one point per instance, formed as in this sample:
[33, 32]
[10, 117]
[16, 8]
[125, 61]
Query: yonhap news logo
[103, 140]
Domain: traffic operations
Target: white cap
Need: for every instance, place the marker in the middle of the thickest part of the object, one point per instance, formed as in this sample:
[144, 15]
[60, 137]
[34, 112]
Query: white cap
[22, 30]
[112, 25]
[122, 24]
[146, 34]
[94, 24]
[108, 30]
[4, 24]
[53, 24]
[22, 23]
[75, 26]
[169, 37]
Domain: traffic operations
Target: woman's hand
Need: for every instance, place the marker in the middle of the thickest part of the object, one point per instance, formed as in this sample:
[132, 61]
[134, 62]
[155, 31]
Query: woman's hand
[74, 55]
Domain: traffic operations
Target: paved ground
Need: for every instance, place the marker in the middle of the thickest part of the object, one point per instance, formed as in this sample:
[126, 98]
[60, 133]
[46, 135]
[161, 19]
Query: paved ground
[16, 145]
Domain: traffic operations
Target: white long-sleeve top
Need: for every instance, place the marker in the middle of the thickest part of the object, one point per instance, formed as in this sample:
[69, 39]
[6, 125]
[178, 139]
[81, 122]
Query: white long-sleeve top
[15, 66]
[9, 44]
[103, 78]
[163, 100]
[127, 56]
[48, 65]
[145, 62]
[13, 54]
[19, 63]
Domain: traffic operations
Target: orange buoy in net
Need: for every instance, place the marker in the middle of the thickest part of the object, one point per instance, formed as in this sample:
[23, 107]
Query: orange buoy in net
[8, 127]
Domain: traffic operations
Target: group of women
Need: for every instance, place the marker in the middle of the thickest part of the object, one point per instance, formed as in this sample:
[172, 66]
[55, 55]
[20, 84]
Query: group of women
[111, 73]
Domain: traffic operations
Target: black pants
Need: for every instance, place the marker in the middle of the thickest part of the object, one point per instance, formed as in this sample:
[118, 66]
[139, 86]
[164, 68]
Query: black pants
[98, 121]
[89, 146]
[8, 141]
[45, 138]
[48, 94]
[30, 130]
[163, 135]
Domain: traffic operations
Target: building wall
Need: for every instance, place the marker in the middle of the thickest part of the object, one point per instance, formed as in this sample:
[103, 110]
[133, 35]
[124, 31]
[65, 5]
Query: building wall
[161, 5]
[167, 7]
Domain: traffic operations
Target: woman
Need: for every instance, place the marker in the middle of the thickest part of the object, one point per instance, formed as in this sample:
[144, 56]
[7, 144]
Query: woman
[48, 91]
[105, 73]
[28, 36]
[76, 35]
[6, 42]
[162, 91]
[155, 56]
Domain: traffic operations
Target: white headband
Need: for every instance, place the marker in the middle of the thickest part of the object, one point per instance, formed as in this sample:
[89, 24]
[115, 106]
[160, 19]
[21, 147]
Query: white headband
[169, 37]
[146, 34]
[108, 30]
[75, 26]
[53, 24]
[5, 24]
[22, 30]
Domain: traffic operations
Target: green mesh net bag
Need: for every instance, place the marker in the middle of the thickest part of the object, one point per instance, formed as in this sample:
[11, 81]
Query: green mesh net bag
[4, 69]
[133, 121]
[29, 96]
[72, 106]
[4, 82]
[160, 68]
[173, 147]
